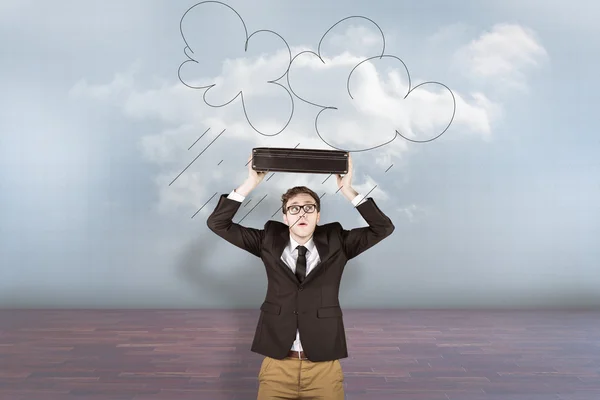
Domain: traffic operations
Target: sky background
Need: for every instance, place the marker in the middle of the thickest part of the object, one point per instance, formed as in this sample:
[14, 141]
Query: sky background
[502, 210]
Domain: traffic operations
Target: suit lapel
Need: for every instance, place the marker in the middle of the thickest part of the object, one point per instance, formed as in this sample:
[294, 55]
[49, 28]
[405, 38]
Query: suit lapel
[321, 244]
[279, 244]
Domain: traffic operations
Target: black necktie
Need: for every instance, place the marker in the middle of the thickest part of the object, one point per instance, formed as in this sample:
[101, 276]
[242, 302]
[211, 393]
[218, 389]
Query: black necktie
[301, 263]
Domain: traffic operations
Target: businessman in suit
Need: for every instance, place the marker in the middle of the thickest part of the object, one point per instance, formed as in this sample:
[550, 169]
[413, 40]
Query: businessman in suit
[300, 330]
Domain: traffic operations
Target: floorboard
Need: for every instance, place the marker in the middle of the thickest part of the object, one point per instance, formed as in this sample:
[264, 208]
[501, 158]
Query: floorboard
[205, 354]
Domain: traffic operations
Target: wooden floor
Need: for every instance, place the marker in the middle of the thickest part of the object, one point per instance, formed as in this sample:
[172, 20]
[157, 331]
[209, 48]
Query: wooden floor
[417, 355]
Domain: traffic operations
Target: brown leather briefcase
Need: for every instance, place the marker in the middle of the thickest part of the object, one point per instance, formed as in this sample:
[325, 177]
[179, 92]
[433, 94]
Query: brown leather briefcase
[310, 161]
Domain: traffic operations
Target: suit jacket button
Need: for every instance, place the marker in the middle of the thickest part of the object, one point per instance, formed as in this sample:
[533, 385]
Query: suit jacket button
[301, 288]
[295, 312]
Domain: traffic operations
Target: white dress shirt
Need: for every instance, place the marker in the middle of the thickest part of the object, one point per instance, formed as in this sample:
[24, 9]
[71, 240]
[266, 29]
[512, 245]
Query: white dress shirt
[290, 254]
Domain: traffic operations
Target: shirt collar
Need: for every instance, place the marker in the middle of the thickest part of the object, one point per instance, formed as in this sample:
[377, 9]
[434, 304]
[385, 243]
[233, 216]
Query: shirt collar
[310, 245]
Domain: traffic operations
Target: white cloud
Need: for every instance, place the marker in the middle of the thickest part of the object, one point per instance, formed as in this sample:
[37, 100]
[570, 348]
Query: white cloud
[248, 66]
[564, 17]
[414, 213]
[166, 102]
[356, 40]
[376, 107]
[370, 119]
[121, 85]
[502, 56]
[479, 115]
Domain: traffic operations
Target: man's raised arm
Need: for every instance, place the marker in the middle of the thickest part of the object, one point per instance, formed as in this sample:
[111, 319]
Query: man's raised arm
[220, 221]
[357, 240]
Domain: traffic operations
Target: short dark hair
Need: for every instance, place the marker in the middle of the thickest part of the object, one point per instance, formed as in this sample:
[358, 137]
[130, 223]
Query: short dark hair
[299, 190]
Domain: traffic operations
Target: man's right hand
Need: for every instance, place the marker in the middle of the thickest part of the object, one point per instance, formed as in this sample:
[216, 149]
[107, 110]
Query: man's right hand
[252, 181]
[254, 177]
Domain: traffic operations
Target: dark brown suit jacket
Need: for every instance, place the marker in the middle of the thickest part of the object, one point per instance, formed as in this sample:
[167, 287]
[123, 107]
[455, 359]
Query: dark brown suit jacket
[312, 307]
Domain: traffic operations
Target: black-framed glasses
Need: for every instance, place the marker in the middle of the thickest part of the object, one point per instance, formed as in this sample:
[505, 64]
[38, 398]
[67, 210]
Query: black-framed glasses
[295, 209]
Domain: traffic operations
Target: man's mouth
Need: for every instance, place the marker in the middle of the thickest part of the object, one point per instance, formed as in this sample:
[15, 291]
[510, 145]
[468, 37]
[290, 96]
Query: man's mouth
[302, 223]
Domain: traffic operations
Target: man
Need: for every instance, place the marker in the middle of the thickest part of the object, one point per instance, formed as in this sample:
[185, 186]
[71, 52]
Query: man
[300, 330]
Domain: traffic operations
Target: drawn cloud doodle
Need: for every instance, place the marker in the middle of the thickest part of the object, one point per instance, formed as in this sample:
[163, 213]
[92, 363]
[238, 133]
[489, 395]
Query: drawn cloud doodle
[406, 99]
[394, 109]
[206, 50]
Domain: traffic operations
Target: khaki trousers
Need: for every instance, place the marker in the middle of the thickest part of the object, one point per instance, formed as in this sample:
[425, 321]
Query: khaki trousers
[293, 378]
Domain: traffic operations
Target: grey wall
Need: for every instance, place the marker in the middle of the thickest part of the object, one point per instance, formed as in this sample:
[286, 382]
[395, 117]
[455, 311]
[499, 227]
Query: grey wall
[503, 210]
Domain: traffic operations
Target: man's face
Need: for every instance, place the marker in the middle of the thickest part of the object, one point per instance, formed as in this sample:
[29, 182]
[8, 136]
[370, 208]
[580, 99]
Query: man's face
[302, 224]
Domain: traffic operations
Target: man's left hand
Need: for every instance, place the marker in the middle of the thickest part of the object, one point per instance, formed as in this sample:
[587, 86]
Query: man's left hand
[345, 182]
